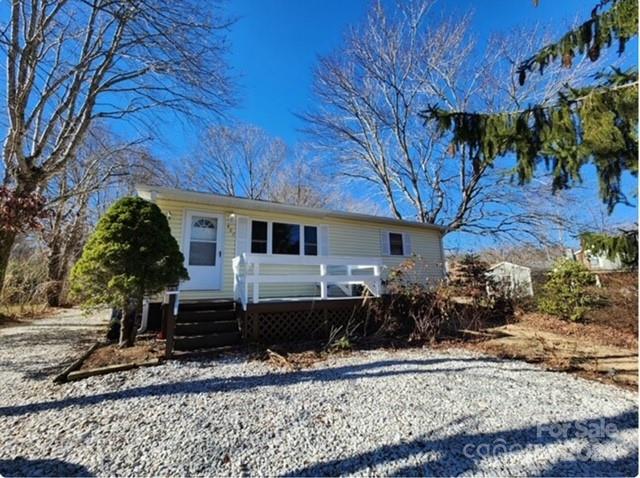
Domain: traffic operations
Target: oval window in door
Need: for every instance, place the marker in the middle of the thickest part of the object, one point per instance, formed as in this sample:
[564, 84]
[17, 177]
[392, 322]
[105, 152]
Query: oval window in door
[203, 246]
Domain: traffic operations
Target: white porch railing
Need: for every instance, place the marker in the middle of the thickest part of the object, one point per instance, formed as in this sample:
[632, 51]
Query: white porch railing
[246, 273]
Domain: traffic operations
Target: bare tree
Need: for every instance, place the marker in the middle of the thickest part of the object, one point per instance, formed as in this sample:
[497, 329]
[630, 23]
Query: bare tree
[370, 94]
[238, 160]
[243, 160]
[70, 62]
[304, 182]
[104, 168]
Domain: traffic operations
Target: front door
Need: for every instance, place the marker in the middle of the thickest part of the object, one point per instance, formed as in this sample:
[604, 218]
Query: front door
[203, 251]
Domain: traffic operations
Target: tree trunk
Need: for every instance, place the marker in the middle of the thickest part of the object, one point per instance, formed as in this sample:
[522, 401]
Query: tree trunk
[55, 274]
[128, 326]
[7, 239]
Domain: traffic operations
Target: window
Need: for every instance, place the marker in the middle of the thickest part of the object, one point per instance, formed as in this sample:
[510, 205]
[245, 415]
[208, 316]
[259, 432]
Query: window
[202, 245]
[396, 246]
[259, 237]
[282, 238]
[310, 241]
[286, 238]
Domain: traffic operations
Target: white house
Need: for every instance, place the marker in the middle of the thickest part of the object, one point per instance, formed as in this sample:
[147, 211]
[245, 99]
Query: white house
[291, 251]
[597, 262]
[257, 252]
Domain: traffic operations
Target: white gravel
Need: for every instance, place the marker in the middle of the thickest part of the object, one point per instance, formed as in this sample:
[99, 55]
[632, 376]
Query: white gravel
[415, 412]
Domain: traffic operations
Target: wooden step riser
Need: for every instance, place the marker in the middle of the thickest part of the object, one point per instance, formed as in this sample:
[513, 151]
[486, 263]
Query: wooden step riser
[206, 316]
[204, 328]
[196, 306]
[206, 341]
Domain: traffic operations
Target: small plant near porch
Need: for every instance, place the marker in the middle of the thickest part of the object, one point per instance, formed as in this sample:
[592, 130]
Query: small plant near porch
[130, 254]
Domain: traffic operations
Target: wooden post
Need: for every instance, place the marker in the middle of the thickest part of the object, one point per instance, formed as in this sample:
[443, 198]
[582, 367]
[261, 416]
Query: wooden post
[170, 319]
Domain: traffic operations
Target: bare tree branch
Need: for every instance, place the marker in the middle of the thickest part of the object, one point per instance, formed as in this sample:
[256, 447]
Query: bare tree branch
[71, 62]
[370, 93]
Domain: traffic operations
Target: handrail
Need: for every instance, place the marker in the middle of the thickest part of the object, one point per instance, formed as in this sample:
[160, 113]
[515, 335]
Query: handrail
[243, 277]
[312, 260]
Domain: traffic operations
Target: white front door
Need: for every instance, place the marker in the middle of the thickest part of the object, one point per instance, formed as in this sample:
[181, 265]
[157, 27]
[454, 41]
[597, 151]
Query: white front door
[203, 251]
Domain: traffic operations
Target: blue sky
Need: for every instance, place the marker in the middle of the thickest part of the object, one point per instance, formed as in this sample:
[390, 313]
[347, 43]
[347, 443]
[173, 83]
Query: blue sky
[275, 45]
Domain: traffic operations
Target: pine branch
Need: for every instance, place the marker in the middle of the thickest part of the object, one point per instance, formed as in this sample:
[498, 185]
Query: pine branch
[616, 81]
[597, 124]
[623, 246]
[619, 23]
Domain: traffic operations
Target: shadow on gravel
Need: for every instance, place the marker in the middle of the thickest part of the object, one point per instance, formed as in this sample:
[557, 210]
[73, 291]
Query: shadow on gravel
[50, 337]
[230, 384]
[462, 453]
[44, 467]
[38, 366]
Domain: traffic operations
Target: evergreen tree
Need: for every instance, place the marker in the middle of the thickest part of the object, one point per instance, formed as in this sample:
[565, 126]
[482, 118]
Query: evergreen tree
[130, 254]
[597, 124]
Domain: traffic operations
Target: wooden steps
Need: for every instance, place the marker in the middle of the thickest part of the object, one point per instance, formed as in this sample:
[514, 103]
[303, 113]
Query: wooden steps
[205, 316]
[206, 325]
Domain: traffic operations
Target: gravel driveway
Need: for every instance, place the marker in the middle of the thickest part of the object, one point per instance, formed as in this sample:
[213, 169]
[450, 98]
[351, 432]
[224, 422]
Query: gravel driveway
[415, 412]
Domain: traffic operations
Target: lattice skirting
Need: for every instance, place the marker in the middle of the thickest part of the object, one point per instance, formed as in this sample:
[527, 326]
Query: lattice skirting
[287, 322]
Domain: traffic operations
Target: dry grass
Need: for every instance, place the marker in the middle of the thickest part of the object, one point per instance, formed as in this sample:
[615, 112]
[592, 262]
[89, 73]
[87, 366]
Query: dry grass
[603, 347]
[617, 331]
[620, 310]
[17, 313]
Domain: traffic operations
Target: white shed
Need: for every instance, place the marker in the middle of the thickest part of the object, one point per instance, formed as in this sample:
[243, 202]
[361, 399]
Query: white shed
[516, 278]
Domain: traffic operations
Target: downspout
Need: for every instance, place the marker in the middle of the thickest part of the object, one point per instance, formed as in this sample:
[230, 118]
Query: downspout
[445, 273]
[144, 321]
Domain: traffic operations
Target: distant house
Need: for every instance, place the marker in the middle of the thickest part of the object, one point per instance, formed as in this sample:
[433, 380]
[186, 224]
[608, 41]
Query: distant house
[597, 262]
[283, 266]
[515, 278]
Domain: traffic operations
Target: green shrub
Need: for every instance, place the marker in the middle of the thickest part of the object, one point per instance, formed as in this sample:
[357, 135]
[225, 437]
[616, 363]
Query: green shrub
[130, 254]
[567, 293]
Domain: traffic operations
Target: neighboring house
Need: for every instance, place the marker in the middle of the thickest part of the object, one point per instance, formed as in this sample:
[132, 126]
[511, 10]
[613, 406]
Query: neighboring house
[257, 253]
[597, 262]
[515, 278]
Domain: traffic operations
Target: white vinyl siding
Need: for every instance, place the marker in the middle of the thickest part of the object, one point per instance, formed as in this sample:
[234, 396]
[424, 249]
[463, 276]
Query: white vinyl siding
[336, 237]
[243, 232]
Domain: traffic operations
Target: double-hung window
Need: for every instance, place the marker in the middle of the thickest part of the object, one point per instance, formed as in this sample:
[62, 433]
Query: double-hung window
[310, 241]
[259, 237]
[396, 244]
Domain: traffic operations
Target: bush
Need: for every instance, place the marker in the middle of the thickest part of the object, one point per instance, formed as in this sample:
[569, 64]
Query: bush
[424, 311]
[25, 281]
[567, 293]
[130, 254]
[469, 277]
[24, 291]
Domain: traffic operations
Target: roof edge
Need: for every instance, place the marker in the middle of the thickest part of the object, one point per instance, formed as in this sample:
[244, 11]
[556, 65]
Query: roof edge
[262, 205]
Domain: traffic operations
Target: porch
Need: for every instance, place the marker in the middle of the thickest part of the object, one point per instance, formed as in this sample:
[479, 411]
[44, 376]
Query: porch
[276, 299]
